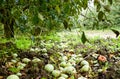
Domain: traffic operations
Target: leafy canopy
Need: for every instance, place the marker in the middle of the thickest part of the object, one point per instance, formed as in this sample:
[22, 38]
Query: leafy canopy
[50, 14]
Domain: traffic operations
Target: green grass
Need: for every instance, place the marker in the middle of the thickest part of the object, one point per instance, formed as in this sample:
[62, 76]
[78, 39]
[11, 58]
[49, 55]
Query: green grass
[2, 40]
[23, 43]
[51, 36]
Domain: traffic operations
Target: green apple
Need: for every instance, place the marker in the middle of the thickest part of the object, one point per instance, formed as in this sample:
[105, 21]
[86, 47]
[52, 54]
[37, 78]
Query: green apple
[13, 77]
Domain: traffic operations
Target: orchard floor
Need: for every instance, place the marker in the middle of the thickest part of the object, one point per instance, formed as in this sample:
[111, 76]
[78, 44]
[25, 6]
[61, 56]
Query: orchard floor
[65, 47]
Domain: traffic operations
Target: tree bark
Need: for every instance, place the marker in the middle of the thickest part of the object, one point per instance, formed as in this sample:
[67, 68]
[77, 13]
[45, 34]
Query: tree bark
[8, 22]
[8, 30]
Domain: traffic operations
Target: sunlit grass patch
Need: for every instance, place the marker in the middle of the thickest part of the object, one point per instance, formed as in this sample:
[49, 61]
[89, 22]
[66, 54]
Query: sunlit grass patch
[51, 36]
[3, 40]
[23, 43]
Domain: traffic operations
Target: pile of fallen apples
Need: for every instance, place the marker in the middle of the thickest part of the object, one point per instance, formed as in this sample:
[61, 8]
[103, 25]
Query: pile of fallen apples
[65, 69]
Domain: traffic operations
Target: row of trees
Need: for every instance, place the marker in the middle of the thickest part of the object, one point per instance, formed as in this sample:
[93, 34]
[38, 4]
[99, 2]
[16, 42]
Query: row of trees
[49, 14]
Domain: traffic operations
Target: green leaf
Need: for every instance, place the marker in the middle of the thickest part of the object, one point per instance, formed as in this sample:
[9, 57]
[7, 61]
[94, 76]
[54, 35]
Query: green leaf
[66, 0]
[96, 2]
[1, 1]
[110, 1]
[107, 8]
[40, 16]
[98, 7]
[117, 33]
[58, 9]
[83, 38]
[35, 19]
[85, 4]
[100, 15]
[66, 8]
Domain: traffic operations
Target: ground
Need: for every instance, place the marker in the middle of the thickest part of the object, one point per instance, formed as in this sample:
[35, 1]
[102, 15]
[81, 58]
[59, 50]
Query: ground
[101, 55]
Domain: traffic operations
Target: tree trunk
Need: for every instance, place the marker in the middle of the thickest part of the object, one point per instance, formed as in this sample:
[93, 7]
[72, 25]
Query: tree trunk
[8, 30]
[8, 22]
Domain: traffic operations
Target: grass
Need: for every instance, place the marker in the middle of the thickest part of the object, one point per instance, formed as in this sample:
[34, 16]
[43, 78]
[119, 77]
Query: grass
[71, 37]
[23, 43]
